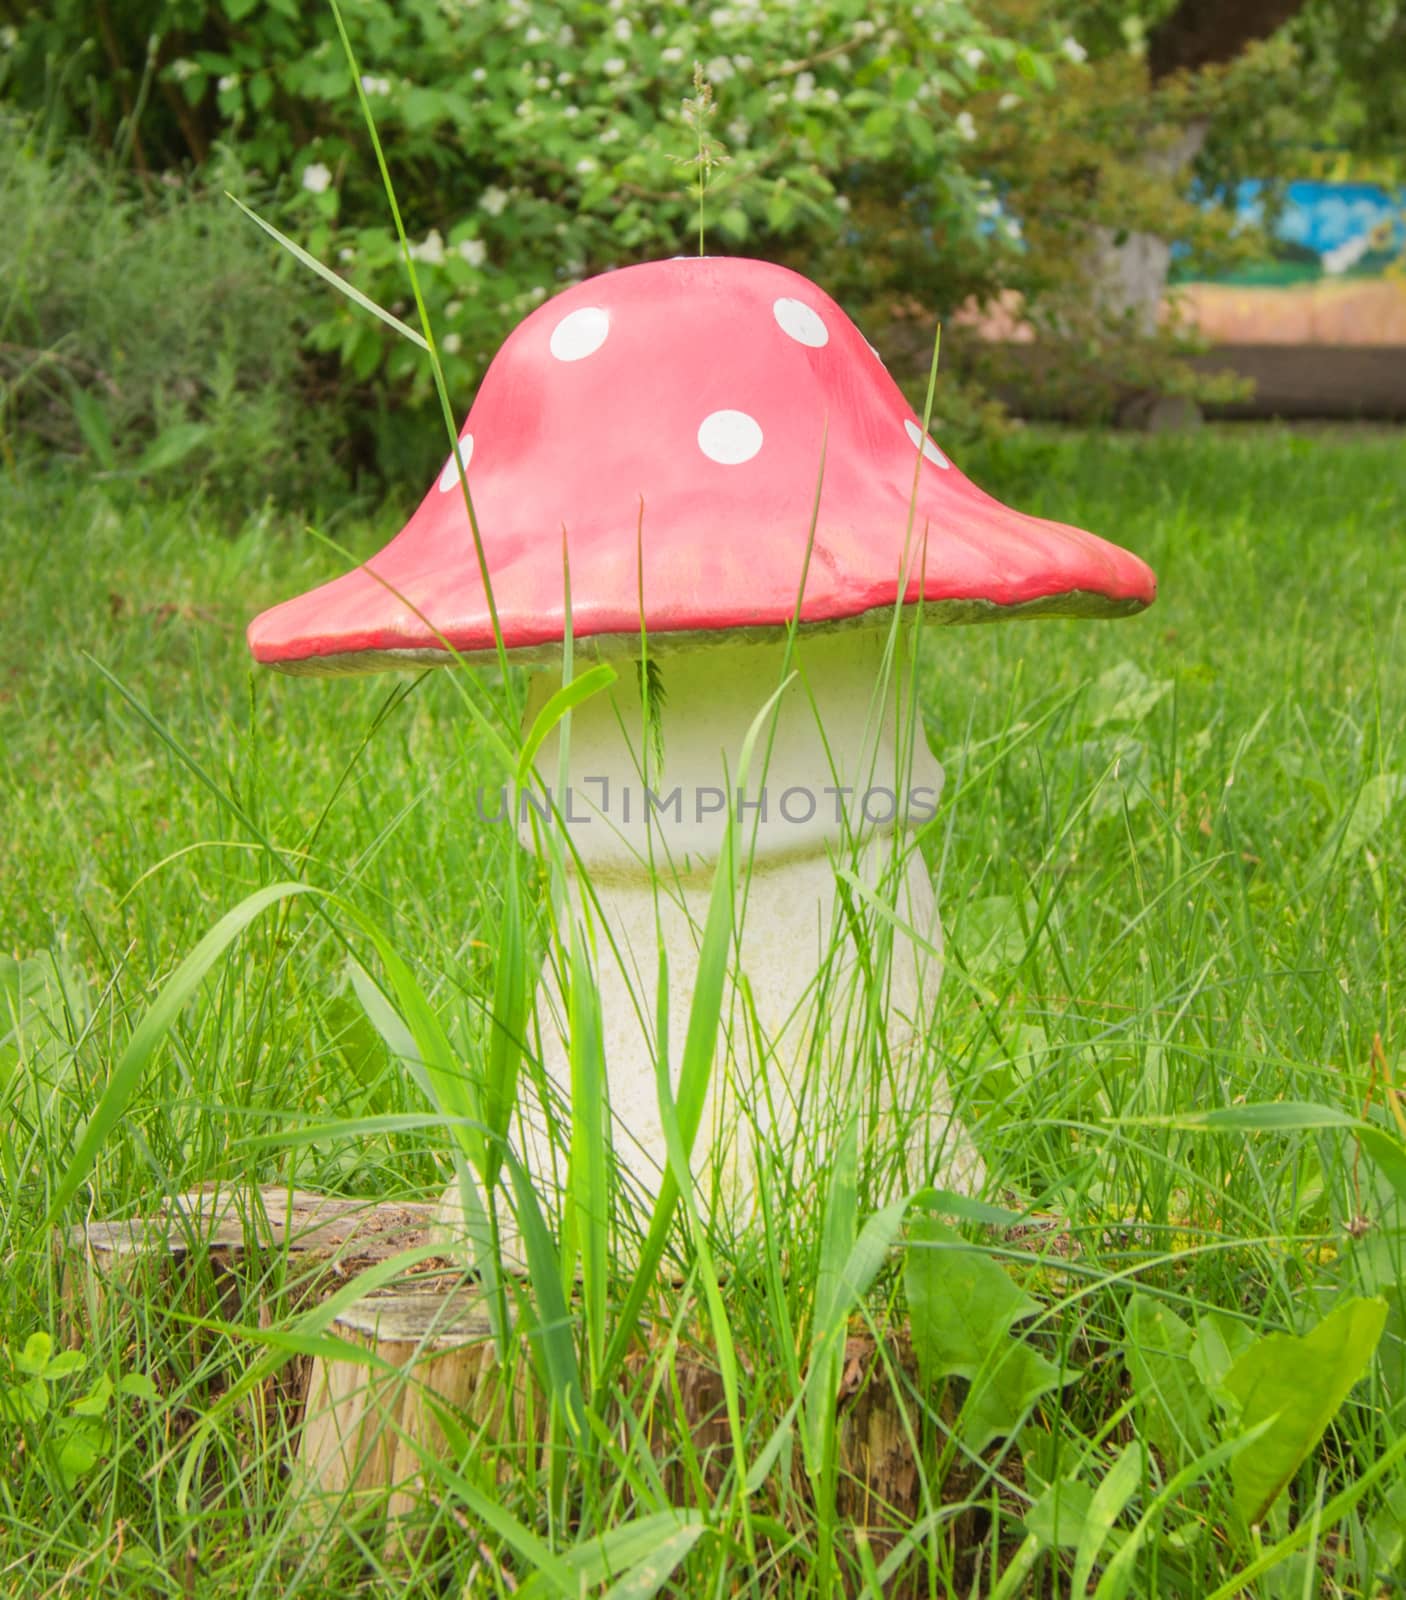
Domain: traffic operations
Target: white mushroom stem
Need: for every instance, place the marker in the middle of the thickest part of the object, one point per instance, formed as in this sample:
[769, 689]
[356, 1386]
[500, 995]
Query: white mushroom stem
[838, 782]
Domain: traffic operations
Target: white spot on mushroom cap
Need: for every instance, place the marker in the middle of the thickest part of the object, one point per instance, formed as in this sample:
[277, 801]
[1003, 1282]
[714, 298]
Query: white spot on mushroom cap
[449, 478]
[800, 322]
[580, 333]
[729, 437]
[930, 450]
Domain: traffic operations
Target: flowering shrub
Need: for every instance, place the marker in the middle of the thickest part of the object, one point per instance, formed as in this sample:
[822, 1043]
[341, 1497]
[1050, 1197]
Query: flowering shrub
[532, 142]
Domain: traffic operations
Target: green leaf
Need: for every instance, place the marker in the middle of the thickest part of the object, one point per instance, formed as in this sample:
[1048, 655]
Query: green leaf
[137, 1386]
[1167, 1390]
[171, 446]
[34, 1357]
[1119, 1485]
[79, 1452]
[1297, 1385]
[92, 422]
[962, 1305]
[959, 1299]
[640, 1553]
[97, 1399]
[650, 1575]
[1059, 1517]
[1124, 694]
[1274, 1116]
[64, 1364]
[567, 698]
[1375, 801]
[1388, 1155]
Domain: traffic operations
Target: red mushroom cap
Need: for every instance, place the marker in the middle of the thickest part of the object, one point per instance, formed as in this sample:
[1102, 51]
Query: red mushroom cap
[670, 418]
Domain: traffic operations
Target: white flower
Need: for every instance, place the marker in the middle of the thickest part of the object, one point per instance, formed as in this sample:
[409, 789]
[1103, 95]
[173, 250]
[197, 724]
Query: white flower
[612, 66]
[566, 77]
[841, 202]
[965, 126]
[1012, 227]
[609, 135]
[9, 37]
[376, 85]
[805, 86]
[228, 82]
[474, 251]
[1008, 102]
[742, 63]
[830, 97]
[493, 200]
[571, 112]
[1075, 51]
[316, 177]
[721, 17]
[989, 207]
[533, 35]
[524, 109]
[718, 70]
[587, 165]
[622, 29]
[478, 74]
[453, 309]
[974, 56]
[541, 85]
[672, 54]
[451, 344]
[430, 250]
[183, 68]
[739, 130]
[566, 35]
[346, 253]
[865, 29]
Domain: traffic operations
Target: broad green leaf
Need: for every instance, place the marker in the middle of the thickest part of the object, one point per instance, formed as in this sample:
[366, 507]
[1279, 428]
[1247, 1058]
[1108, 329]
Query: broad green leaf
[171, 446]
[92, 422]
[1124, 694]
[962, 1305]
[959, 1300]
[1169, 1394]
[1296, 1385]
[137, 1386]
[34, 1357]
[79, 1452]
[1059, 1517]
[1375, 801]
[97, 1399]
[1117, 1487]
[650, 1574]
[618, 1552]
[1220, 1342]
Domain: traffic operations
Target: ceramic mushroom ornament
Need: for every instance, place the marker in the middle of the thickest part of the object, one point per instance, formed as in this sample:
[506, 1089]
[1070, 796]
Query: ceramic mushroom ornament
[670, 418]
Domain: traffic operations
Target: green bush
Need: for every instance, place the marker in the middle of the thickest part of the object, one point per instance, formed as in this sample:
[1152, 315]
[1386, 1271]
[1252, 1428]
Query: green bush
[532, 143]
[152, 332]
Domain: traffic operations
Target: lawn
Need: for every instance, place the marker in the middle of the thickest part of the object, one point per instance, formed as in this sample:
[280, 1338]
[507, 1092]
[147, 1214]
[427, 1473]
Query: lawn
[1169, 854]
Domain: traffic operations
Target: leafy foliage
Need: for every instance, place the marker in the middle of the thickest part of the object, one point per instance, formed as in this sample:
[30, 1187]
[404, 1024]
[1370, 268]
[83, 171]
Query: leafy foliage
[152, 334]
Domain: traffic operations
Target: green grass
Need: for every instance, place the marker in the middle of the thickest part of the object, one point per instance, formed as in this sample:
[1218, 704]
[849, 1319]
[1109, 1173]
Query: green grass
[1170, 851]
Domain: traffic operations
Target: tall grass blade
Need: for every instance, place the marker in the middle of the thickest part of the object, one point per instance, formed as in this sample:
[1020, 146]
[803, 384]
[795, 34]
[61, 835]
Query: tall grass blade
[151, 1030]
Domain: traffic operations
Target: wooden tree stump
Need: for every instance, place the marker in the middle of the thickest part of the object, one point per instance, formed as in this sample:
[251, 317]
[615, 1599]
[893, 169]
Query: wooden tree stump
[362, 1427]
